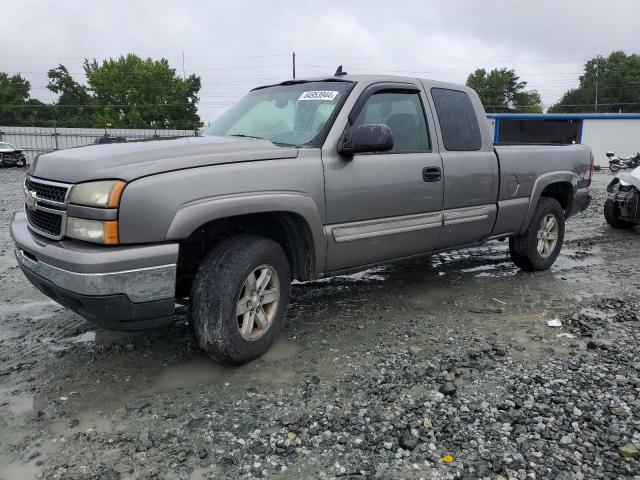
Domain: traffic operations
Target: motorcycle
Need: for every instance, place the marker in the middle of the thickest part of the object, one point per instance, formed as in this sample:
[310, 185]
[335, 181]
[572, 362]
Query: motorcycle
[619, 163]
[622, 206]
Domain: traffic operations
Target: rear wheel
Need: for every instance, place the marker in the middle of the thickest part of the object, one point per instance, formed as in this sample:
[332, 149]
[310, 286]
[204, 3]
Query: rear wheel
[539, 246]
[239, 298]
[612, 215]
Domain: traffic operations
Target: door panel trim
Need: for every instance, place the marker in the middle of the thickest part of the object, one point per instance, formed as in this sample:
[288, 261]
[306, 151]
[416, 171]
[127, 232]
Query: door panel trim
[386, 226]
[466, 215]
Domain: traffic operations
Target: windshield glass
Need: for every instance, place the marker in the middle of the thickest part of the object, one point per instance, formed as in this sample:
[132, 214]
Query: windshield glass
[295, 114]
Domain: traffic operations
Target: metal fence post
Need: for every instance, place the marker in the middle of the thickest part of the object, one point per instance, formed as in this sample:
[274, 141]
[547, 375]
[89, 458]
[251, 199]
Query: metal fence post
[55, 134]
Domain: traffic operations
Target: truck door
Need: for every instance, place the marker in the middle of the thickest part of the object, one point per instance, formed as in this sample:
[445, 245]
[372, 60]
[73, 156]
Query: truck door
[382, 206]
[470, 169]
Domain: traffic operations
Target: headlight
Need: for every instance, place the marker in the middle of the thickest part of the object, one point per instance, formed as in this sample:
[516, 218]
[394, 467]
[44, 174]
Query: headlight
[103, 194]
[92, 230]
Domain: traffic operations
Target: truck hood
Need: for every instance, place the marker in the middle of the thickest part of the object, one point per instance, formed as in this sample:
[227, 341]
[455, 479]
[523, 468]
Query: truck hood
[128, 161]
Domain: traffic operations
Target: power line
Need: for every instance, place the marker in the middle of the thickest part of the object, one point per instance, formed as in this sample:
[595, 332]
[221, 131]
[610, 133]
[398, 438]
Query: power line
[423, 60]
[221, 57]
[466, 72]
[239, 67]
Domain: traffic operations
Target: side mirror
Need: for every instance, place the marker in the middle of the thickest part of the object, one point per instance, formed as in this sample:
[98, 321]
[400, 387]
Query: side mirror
[610, 154]
[367, 138]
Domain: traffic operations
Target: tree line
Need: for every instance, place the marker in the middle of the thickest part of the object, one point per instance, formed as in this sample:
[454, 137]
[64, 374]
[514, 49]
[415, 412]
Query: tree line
[128, 92]
[608, 85]
[131, 92]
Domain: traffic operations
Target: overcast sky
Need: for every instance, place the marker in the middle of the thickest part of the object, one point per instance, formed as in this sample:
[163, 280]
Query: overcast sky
[236, 45]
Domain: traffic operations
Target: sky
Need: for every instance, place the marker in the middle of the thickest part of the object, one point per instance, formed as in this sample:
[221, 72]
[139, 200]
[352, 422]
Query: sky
[237, 45]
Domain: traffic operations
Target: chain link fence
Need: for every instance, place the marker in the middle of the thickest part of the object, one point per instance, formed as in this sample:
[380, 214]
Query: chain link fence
[35, 140]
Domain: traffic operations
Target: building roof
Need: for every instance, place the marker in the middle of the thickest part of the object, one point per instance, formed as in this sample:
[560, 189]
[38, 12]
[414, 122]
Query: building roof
[566, 116]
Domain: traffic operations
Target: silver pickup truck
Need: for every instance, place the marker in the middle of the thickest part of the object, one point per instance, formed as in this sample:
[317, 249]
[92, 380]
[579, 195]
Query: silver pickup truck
[298, 180]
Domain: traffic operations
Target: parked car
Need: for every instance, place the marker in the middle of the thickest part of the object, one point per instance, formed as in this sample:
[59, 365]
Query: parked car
[11, 156]
[299, 180]
[106, 138]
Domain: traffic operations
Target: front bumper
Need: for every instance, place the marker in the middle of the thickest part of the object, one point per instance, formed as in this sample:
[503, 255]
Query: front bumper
[121, 288]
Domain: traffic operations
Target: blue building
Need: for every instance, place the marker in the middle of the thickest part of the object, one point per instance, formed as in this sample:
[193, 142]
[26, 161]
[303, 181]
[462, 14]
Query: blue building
[602, 131]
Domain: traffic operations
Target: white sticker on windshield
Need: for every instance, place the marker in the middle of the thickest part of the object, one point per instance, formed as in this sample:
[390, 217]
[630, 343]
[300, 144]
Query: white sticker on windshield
[318, 95]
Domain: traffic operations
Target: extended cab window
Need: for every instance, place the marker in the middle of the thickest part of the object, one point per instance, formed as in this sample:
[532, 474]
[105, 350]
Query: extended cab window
[458, 121]
[403, 114]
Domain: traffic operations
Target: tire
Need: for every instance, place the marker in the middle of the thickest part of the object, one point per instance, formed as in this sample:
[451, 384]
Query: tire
[612, 215]
[614, 167]
[524, 248]
[217, 287]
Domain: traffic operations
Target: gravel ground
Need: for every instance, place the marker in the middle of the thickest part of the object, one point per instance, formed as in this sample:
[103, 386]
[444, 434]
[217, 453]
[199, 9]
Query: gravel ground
[434, 369]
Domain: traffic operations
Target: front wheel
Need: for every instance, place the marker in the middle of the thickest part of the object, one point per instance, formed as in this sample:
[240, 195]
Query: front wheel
[239, 298]
[612, 215]
[539, 246]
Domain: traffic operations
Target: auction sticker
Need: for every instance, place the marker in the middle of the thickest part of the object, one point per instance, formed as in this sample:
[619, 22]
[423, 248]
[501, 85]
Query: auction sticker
[318, 95]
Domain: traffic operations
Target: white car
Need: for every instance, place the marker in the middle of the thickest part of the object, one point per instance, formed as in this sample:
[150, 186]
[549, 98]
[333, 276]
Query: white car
[11, 156]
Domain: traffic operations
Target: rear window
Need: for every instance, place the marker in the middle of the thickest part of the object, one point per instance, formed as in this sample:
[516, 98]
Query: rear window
[458, 121]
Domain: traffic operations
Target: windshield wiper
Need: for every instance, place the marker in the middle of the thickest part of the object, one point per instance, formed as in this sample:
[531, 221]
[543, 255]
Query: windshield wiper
[279, 144]
[242, 135]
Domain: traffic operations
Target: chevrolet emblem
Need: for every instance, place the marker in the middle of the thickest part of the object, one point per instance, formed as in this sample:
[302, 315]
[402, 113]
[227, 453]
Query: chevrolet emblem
[30, 199]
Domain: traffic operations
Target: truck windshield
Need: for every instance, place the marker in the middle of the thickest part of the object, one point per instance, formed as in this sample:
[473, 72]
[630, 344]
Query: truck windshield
[296, 114]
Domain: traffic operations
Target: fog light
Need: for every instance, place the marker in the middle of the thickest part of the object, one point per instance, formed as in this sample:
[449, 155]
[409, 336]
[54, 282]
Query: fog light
[92, 230]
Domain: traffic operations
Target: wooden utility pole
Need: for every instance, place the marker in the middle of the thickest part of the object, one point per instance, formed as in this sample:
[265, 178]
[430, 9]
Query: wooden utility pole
[294, 64]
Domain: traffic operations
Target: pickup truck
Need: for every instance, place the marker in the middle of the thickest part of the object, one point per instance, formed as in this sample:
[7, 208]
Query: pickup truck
[298, 180]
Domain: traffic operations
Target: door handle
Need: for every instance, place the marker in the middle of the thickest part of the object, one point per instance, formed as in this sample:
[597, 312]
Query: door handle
[431, 174]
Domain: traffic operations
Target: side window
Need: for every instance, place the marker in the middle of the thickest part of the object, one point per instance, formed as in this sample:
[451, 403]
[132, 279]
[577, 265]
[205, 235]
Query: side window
[403, 114]
[458, 121]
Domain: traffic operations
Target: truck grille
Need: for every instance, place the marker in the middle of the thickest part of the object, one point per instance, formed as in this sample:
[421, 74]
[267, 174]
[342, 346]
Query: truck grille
[47, 191]
[45, 205]
[45, 222]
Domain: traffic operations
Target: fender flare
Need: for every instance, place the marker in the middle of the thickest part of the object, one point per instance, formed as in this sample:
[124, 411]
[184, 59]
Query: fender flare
[542, 182]
[195, 214]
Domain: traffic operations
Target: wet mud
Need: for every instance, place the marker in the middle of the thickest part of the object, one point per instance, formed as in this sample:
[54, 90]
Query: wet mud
[80, 402]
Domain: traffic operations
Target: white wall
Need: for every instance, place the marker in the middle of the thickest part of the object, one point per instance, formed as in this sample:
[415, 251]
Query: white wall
[620, 135]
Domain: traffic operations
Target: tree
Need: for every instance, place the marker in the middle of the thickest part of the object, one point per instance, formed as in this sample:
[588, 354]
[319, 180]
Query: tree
[502, 91]
[74, 107]
[134, 93]
[617, 78]
[14, 97]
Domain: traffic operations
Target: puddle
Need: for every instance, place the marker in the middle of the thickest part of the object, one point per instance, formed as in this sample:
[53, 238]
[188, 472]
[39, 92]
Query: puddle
[111, 336]
[196, 371]
[99, 337]
[18, 470]
[84, 421]
[375, 274]
[282, 350]
[494, 270]
[23, 307]
[86, 337]
[16, 403]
